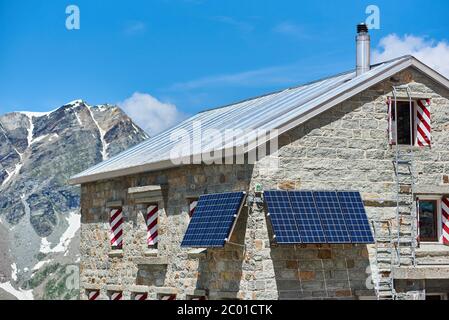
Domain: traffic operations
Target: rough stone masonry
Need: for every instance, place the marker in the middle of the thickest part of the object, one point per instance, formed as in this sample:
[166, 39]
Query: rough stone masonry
[344, 148]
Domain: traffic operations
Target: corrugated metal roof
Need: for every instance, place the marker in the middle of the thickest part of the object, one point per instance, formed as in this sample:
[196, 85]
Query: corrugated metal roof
[268, 112]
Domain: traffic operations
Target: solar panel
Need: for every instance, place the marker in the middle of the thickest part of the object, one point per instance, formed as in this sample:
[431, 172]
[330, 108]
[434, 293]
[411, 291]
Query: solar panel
[281, 216]
[331, 216]
[306, 216]
[212, 222]
[355, 217]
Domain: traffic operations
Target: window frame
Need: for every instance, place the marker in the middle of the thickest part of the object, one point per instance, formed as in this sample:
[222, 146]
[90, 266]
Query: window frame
[414, 133]
[437, 199]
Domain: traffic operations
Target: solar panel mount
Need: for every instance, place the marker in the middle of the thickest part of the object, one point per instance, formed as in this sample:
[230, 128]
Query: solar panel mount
[214, 219]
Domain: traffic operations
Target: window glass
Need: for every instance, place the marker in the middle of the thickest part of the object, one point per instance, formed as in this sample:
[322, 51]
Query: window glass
[405, 135]
[428, 220]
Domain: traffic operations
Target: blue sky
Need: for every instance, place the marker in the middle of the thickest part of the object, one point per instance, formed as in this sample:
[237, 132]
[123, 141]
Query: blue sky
[191, 54]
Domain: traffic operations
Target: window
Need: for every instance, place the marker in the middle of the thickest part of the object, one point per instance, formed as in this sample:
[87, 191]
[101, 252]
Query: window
[405, 129]
[93, 294]
[151, 220]
[410, 124]
[428, 220]
[116, 228]
[193, 202]
[138, 296]
[115, 295]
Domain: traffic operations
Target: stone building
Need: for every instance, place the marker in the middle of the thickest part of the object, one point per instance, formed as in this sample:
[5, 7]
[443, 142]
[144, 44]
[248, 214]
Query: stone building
[365, 130]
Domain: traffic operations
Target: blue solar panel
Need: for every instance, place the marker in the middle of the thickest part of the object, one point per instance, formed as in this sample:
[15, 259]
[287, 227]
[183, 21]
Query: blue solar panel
[355, 217]
[331, 216]
[281, 216]
[213, 219]
[306, 216]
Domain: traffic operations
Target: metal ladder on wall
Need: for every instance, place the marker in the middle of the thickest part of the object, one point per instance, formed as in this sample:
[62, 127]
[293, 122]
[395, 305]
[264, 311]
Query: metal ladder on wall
[396, 240]
[405, 229]
[384, 253]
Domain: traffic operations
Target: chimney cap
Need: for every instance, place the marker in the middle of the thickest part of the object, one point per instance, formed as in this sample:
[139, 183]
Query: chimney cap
[362, 28]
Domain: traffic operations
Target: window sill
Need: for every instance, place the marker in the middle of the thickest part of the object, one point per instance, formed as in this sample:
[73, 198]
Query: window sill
[151, 253]
[432, 248]
[166, 290]
[432, 254]
[116, 253]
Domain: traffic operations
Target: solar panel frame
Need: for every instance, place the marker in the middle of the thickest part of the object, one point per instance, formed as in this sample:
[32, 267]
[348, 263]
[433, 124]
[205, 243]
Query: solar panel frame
[331, 216]
[306, 216]
[355, 217]
[214, 219]
[281, 217]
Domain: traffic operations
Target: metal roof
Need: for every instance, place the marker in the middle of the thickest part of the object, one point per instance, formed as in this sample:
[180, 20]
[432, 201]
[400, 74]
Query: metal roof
[282, 110]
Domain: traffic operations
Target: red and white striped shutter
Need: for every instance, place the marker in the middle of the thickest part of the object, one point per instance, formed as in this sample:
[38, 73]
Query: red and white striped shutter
[141, 296]
[116, 224]
[192, 206]
[116, 295]
[445, 220]
[423, 123]
[152, 226]
[169, 297]
[391, 122]
[93, 294]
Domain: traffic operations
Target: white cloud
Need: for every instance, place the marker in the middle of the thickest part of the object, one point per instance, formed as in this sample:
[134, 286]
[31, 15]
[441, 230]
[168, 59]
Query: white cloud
[433, 53]
[151, 114]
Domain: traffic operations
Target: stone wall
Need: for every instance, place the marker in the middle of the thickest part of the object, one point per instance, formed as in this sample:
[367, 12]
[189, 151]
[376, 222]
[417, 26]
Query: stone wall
[345, 148]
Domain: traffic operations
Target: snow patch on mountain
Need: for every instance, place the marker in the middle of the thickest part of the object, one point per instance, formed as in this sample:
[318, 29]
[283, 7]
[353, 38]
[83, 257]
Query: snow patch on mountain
[104, 152]
[74, 223]
[18, 293]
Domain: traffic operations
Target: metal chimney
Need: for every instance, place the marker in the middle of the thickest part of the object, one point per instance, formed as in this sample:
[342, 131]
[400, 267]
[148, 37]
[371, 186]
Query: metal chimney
[363, 49]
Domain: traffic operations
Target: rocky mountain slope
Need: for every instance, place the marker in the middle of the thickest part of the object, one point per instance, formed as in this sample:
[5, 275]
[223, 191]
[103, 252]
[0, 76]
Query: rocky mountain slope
[39, 211]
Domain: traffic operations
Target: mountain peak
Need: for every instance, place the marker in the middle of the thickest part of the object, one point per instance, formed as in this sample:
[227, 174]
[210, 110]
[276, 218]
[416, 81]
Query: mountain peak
[39, 152]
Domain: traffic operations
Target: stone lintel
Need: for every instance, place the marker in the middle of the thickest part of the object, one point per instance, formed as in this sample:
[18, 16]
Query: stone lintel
[151, 261]
[114, 204]
[166, 290]
[144, 189]
[114, 287]
[93, 286]
[429, 189]
[414, 95]
[421, 272]
[139, 288]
